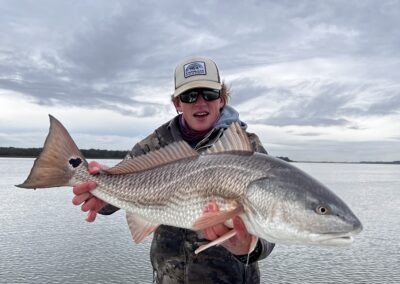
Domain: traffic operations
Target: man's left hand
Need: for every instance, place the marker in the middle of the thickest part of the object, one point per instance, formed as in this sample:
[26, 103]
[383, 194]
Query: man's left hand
[239, 244]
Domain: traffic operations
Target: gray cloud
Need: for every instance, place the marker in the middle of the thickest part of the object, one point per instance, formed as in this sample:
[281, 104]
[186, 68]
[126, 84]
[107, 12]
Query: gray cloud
[68, 48]
[319, 102]
[108, 54]
[301, 121]
[389, 105]
[320, 110]
[243, 90]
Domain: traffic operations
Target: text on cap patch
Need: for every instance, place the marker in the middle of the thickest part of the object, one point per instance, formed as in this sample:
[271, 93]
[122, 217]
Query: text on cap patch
[194, 68]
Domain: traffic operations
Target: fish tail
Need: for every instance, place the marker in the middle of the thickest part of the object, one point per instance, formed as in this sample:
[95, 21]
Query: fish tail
[58, 161]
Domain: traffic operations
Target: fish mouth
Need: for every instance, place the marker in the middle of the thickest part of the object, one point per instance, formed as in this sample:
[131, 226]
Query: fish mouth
[341, 239]
[338, 241]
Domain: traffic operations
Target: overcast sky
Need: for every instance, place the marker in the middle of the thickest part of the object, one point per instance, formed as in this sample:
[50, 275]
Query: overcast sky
[316, 80]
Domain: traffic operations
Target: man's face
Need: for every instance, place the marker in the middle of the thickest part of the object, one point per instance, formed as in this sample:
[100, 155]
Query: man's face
[200, 115]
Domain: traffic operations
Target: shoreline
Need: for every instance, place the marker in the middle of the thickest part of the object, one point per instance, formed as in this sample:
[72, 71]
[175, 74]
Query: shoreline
[13, 152]
[291, 161]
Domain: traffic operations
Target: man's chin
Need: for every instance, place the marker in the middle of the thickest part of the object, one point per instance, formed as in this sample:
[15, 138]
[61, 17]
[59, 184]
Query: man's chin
[201, 125]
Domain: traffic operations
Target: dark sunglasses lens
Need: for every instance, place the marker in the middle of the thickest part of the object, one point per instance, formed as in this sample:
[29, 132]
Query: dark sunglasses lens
[189, 97]
[210, 95]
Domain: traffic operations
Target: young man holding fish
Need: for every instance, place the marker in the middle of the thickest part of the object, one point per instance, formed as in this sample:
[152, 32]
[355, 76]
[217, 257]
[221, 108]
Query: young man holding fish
[201, 99]
[172, 181]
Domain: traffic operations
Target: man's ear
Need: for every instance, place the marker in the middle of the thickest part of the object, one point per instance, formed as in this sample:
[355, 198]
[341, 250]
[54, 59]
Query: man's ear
[177, 104]
[222, 103]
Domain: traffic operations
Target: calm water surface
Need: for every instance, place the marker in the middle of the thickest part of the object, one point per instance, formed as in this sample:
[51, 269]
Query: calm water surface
[44, 239]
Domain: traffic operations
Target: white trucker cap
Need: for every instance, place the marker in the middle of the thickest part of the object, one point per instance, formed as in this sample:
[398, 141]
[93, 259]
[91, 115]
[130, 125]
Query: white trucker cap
[196, 72]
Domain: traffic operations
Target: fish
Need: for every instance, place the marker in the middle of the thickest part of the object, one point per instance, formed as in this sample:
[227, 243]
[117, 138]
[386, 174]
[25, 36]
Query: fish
[172, 185]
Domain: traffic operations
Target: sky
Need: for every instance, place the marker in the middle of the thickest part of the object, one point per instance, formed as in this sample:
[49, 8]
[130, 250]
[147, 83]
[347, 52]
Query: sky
[315, 80]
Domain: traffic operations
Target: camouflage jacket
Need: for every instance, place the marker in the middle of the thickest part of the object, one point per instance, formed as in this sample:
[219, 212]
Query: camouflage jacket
[172, 250]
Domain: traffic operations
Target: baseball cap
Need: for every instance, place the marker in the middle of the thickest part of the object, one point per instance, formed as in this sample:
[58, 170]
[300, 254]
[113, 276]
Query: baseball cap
[196, 72]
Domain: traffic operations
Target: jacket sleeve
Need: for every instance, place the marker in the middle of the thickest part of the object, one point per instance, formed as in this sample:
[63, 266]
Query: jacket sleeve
[263, 247]
[261, 251]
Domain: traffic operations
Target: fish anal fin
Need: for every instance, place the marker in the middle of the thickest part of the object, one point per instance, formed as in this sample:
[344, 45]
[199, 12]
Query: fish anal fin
[168, 154]
[213, 218]
[139, 228]
[234, 139]
[217, 241]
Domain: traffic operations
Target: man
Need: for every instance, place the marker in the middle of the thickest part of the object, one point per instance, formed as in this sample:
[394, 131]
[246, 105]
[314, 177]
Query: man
[201, 101]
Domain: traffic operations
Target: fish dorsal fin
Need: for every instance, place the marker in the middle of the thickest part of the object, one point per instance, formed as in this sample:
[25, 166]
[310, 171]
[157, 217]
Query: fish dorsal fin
[234, 138]
[170, 153]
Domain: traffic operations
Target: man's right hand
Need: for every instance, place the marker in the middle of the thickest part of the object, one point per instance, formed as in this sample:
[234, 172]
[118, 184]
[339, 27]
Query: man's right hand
[91, 203]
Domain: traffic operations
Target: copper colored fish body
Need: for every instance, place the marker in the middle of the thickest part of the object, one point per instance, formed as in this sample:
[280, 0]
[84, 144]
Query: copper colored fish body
[171, 186]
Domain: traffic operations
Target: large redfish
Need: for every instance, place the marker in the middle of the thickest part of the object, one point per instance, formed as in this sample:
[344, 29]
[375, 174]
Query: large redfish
[172, 185]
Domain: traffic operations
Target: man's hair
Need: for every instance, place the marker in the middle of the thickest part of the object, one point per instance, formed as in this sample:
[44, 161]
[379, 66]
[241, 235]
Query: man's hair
[225, 94]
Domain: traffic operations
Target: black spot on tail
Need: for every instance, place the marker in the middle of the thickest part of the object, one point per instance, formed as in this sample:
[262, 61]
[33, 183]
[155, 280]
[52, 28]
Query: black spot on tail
[75, 162]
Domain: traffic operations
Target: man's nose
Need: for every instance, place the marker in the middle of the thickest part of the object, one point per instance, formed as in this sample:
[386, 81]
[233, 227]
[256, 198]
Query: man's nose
[200, 100]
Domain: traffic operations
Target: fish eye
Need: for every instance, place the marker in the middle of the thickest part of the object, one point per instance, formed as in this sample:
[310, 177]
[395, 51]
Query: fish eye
[322, 209]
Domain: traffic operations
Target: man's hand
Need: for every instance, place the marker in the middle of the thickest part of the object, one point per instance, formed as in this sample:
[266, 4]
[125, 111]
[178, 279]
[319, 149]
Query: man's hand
[82, 193]
[239, 244]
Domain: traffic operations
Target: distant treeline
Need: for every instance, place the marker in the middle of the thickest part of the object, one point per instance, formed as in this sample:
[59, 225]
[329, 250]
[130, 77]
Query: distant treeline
[90, 154]
[109, 154]
[34, 152]
[394, 162]
[362, 162]
[285, 159]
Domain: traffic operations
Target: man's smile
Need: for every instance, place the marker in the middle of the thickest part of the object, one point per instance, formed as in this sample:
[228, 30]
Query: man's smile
[201, 114]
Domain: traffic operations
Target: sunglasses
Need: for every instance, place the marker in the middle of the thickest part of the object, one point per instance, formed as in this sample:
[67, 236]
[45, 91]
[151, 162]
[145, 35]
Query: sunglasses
[191, 96]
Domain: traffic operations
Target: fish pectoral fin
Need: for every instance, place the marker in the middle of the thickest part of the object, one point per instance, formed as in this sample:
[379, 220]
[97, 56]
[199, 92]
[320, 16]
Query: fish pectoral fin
[210, 219]
[217, 241]
[139, 228]
[224, 238]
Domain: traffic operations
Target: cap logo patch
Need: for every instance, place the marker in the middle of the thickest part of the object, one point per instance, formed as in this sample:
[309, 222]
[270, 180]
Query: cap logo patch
[194, 68]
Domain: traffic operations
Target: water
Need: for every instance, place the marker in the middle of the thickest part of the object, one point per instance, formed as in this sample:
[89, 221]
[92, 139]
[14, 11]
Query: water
[44, 239]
